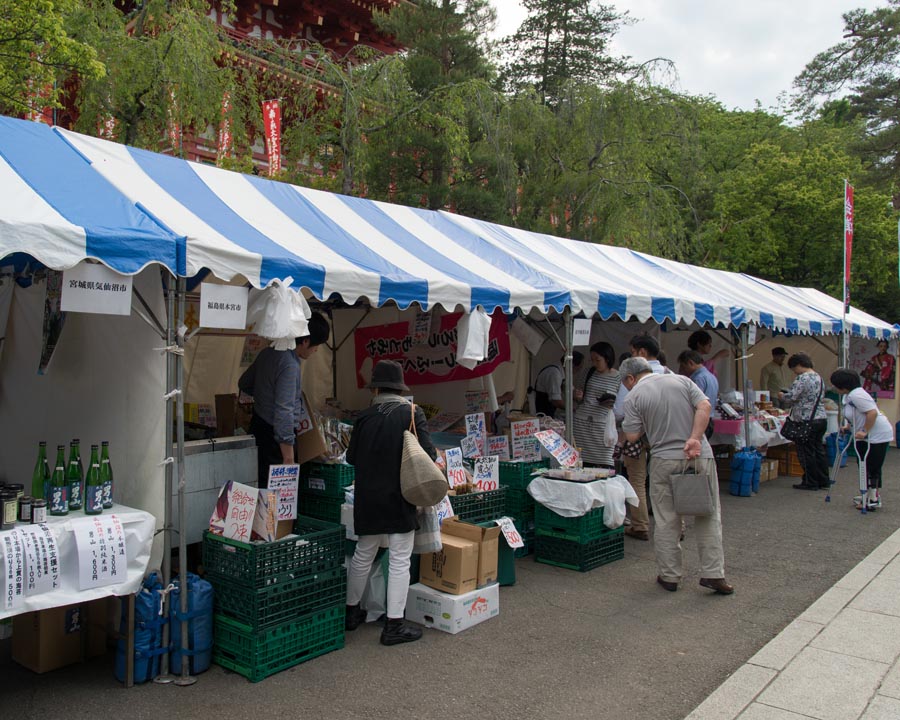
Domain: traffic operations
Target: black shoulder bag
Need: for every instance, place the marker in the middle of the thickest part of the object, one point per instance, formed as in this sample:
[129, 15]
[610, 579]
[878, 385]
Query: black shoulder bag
[800, 431]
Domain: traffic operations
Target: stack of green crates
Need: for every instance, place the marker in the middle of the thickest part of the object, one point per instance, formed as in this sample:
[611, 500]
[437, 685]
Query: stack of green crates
[280, 603]
[321, 489]
[578, 543]
[480, 506]
[515, 476]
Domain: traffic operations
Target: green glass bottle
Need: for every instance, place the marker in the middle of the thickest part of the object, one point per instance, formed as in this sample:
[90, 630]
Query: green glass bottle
[40, 478]
[106, 475]
[93, 485]
[59, 487]
[75, 476]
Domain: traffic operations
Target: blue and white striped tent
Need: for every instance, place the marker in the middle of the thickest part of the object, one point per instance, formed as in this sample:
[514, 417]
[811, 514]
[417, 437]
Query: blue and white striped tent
[67, 197]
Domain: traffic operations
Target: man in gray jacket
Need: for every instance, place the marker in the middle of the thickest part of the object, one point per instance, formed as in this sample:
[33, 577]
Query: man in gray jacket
[673, 413]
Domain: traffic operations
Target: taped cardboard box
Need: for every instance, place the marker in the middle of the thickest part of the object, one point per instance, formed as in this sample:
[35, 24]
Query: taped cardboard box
[53, 638]
[310, 443]
[451, 613]
[454, 569]
[488, 539]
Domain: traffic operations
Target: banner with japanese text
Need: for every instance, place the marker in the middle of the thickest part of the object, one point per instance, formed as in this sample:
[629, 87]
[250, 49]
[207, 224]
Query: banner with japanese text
[272, 124]
[848, 241]
[430, 361]
[225, 140]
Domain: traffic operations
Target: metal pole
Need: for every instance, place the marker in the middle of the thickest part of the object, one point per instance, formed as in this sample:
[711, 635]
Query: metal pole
[164, 676]
[745, 343]
[570, 378]
[185, 678]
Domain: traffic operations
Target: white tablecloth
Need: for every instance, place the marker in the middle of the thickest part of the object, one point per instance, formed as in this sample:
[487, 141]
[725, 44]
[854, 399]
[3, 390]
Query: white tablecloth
[574, 499]
[138, 526]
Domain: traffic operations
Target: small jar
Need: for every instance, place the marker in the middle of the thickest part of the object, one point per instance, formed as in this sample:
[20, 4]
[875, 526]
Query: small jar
[9, 509]
[25, 508]
[39, 511]
[18, 487]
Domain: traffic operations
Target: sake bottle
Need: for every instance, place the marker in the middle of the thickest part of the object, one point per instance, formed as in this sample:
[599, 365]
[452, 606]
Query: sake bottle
[40, 478]
[75, 476]
[93, 486]
[59, 487]
[106, 475]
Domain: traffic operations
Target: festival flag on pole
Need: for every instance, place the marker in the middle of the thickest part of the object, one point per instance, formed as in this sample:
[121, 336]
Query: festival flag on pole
[272, 123]
[224, 146]
[848, 241]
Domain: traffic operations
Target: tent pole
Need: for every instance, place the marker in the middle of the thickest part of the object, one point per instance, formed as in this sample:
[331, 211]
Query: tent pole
[570, 378]
[745, 344]
[164, 676]
[185, 678]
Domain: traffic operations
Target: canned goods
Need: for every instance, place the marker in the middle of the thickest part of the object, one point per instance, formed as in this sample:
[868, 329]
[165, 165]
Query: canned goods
[25, 508]
[39, 511]
[9, 508]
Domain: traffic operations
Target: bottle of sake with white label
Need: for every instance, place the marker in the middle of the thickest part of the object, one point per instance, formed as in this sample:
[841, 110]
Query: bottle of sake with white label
[59, 486]
[75, 476]
[93, 485]
[106, 475]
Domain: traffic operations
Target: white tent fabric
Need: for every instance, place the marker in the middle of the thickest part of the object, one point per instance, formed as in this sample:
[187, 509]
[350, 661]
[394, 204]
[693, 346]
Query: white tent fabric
[67, 197]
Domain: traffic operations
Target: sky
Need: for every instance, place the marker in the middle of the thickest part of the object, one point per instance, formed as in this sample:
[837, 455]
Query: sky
[740, 51]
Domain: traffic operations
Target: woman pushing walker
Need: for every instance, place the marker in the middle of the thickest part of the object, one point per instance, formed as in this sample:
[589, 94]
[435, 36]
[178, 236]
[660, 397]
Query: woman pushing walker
[872, 433]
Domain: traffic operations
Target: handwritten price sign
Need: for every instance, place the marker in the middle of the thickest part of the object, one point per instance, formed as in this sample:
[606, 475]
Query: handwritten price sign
[444, 509]
[284, 479]
[564, 453]
[508, 528]
[456, 473]
[523, 441]
[470, 447]
[487, 472]
[241, 510]
[498, 445]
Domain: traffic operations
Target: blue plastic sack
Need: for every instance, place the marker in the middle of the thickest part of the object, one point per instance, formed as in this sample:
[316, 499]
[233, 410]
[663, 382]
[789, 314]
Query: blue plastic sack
[148, 624]
[200, 625]
[745, 468]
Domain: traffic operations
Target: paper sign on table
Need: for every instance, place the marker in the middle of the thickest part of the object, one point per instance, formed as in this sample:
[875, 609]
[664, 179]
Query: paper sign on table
[223, 306]
[475, 424]
[469, 445]
[476, 401]
[498, 445]
[89, 288]
[487, 472]
[444, 509]
[235, 509]
[522, 432]
[13, 583]
[564, 453]
[265, 517]
[41, 559]
[102, 559]
[581, 332]
[456, 473]
[508, 528]
[284, 479]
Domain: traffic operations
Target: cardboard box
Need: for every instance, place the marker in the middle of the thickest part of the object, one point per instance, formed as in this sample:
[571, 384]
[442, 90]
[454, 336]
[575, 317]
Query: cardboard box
[488, 540]
[310, 444]
[451, 613]
[453, 569]
[768, 470]
[230, 415]
[49, 639]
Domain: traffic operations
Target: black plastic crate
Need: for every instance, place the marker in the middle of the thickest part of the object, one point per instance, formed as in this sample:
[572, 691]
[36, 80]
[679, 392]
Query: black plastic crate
[274, 604]
[480, 506]
[573, 555]
[316, 546]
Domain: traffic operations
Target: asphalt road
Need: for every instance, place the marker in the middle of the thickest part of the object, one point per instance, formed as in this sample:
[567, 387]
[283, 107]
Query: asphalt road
[608, 643]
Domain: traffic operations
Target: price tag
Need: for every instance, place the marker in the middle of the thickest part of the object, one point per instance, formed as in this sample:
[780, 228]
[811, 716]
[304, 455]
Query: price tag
[469, 446]
[41, 559]
[498, 445]
[102, 558]
[523, 441]
[444, 509]
[487, 473]
[508, 528]
[456, 473]
[284, 479]
[13, 584]
[564, 453]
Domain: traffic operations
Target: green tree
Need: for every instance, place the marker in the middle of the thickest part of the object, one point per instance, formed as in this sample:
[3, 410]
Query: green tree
[36, 54]
[561, 41]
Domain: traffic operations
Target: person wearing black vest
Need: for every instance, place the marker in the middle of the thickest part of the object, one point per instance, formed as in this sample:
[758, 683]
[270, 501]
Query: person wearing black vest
[548, 385]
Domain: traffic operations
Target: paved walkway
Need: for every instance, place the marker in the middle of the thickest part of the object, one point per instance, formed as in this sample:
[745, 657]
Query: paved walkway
[836, 661]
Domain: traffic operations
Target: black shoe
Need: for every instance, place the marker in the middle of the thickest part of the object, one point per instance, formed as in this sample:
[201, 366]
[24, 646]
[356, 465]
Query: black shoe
[804, 486]
[670, 586]
[355, 617]
[397, 631]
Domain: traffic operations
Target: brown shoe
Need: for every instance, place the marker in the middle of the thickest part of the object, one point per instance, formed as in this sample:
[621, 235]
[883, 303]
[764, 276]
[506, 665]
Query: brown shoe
[670, 586]
[637, 534]
[718, 584]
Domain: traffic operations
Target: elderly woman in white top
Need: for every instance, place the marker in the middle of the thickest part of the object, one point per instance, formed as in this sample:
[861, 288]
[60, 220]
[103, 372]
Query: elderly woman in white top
[806, 397]
[872, 432]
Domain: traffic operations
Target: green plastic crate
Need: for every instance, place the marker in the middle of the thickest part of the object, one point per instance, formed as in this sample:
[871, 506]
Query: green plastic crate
[315, 547]
[259, 654]
[320, 506]
[480, 506]
[572, 555]
[580, 529]
[526, 530]
[326, 479]
[518, 474]
[519, 504]
[279, 603]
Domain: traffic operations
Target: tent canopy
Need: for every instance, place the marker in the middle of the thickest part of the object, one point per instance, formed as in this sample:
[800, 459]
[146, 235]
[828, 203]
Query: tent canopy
[68, 197]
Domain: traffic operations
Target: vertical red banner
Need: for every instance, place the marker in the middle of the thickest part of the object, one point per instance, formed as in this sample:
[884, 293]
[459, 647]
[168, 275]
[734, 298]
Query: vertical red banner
[272, 124]
[224, 145]
[848, 241]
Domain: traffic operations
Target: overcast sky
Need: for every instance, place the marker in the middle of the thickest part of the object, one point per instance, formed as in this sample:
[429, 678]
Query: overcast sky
[740, 51]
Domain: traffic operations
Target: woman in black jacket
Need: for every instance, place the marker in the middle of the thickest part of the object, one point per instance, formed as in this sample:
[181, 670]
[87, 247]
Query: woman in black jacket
[379, 509]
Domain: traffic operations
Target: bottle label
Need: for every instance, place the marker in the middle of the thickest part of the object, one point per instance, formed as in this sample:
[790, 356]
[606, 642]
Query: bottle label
[59, 501]
[107, 494]
[39, 515]
[93, 499]
[75, 494]
[10, 508]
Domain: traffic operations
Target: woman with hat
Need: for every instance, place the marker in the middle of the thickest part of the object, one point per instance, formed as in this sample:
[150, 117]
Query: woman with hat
[381, 515]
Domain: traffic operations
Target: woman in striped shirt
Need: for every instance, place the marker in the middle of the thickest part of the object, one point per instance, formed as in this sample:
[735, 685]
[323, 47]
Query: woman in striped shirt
[595, 410]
